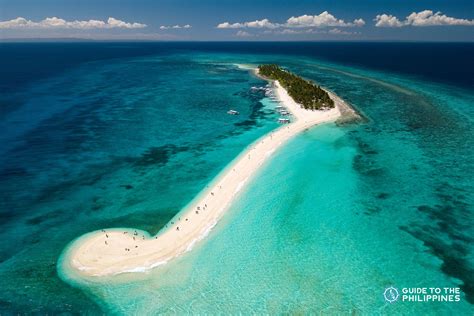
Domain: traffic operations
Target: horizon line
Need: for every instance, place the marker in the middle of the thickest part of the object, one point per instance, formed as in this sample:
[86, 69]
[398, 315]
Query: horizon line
[92, 40]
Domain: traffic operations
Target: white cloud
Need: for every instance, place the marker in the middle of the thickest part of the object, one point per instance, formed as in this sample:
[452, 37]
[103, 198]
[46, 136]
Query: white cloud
[265, 23]
[386, 20]
[167, 27]
[227, 25]
[114, 23]
[299, 31]
[289, 32]
[54, 22]
[422, 18]
[324, 19]
[261, 23]
[428, 18]
[359, 22]
[241, 33]
[336, 31]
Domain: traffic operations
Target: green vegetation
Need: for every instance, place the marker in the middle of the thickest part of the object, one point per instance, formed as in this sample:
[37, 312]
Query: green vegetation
[306, 93]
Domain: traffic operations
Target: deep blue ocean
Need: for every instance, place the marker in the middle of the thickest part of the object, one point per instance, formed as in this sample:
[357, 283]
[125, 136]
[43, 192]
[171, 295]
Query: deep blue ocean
[124, 134]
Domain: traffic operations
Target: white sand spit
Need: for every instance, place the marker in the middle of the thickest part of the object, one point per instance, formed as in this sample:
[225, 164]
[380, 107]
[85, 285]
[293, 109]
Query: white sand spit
[116, 251]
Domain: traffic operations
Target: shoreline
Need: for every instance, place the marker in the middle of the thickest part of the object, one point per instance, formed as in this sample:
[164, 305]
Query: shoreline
[124, 250]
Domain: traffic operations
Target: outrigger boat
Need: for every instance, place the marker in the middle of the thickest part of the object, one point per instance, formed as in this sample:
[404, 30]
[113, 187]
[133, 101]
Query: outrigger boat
[283, 120]
[233, 112]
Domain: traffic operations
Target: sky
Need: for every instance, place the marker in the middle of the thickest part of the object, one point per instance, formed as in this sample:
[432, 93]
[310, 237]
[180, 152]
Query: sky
[243, 20]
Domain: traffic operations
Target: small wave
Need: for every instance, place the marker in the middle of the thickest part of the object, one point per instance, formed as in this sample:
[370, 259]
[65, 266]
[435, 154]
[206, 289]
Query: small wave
[204, 233]
[270, 152]
[240, 186]
[142, 269]
[245, 66]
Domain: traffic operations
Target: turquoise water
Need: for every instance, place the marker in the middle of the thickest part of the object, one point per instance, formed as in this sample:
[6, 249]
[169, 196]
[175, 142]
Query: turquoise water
[338, 215]
[297, 242]
[109, 148]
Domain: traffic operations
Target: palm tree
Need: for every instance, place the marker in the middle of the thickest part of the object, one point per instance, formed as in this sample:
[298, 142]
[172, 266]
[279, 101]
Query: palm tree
[306, 93]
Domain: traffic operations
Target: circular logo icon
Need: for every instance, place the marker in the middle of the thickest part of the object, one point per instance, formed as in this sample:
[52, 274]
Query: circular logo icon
[391, 294]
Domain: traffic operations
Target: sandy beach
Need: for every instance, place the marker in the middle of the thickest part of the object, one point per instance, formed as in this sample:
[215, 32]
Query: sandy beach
[115, 251]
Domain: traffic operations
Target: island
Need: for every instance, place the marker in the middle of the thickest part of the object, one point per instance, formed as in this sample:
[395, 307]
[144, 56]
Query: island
[123, 250]
[304, 92]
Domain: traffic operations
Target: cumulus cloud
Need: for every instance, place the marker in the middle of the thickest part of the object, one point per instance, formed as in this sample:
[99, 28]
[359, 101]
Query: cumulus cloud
[175, 27]
[324, 19]
[55, 23]
[227, 25]
[428, 18]
[386, 20]
[422, 18]
[265, 23]
[359, 22]
[114, 23]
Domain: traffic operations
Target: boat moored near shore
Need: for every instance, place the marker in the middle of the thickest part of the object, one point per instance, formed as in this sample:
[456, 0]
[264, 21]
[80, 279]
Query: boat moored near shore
[233, 112]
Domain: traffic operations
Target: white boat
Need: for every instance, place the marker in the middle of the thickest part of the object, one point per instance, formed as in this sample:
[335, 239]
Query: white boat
[283, 120]
[233, 112]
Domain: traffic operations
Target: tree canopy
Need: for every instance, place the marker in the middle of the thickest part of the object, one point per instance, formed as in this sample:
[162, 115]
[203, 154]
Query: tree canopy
[306, 93]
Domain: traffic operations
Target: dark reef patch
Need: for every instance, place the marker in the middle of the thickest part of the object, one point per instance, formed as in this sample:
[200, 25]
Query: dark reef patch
[367, 166]
[156, 156]
[44, 217]
[383, 196]
[13, 172]
[90, 176]
[6, 216]
[448, 234]
[245, 123]
[452, 254]
[257, 113]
